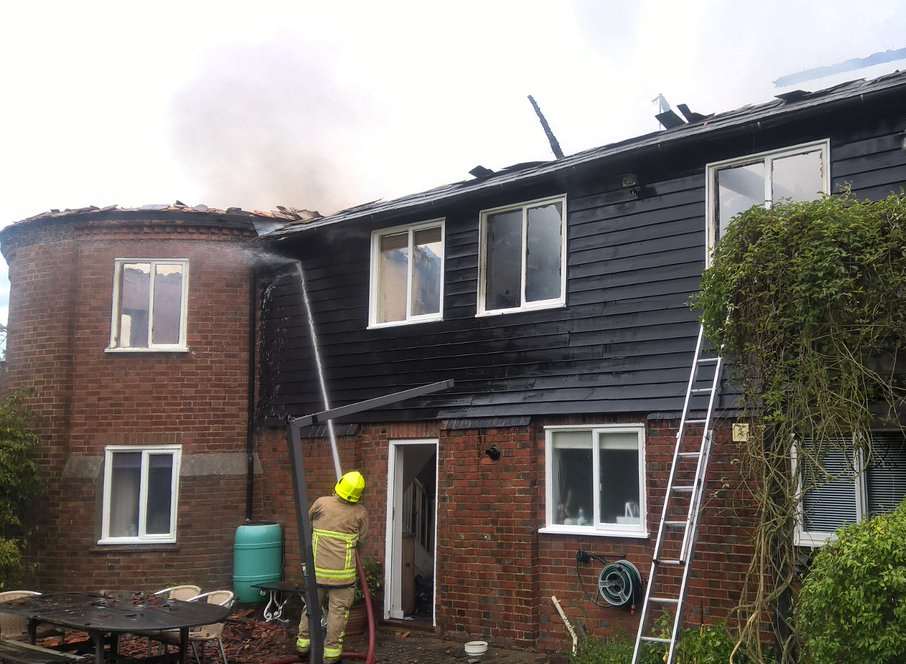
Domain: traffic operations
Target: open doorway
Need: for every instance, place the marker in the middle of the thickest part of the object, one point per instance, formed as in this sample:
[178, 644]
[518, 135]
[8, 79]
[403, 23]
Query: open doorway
[411, 563]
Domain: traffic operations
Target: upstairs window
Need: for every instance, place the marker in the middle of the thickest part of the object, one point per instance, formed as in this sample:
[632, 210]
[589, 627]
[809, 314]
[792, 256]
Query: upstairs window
[846, 487]
[141, 485]
[523, 254]
[407, 274]
[595, 480]
[799, 173]
[149, 305]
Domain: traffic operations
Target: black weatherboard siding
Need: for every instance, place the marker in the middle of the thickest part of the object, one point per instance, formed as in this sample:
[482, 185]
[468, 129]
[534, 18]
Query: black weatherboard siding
[623, 344]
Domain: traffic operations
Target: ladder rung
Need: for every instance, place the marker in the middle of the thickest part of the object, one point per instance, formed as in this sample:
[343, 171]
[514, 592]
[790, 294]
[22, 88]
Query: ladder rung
[672, 563]
[696, 421]
[689, 454]
[675, 524]
[664, 600]
[708, 360]
[655, 639]
[702, 390]
[683, 489]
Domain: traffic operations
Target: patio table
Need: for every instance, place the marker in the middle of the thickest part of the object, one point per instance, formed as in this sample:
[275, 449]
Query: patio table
[115, 613]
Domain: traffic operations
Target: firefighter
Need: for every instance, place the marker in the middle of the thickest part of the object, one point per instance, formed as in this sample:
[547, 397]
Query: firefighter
[339, 524]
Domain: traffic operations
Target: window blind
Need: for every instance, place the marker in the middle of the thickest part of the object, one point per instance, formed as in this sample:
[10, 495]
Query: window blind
[829, 491]
[886, 473]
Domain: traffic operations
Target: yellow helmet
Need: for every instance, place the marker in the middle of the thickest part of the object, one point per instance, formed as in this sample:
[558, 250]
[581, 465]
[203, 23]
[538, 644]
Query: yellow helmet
[350, 486]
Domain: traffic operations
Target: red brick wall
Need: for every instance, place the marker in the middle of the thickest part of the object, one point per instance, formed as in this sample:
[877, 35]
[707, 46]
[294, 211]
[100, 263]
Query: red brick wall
[496, 572]
[39, 350]
[721, 554]
[59, 325]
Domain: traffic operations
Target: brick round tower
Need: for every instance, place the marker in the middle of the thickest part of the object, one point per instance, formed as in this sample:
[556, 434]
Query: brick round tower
[129, 336]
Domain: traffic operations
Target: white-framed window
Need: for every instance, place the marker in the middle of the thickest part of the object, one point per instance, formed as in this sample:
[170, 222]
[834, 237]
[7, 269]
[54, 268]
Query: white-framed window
[407, 274]
[595, 480]
[149, 305]
[846, 487]
[522, 257]
[141, 492]
[797, 173]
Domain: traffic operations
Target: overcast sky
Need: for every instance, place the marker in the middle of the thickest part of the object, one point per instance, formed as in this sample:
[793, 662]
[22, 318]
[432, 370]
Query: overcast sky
[323, 105]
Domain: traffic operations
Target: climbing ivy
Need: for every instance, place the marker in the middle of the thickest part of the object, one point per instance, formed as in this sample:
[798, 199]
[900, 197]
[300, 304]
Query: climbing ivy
[18, 485]
[809, 301]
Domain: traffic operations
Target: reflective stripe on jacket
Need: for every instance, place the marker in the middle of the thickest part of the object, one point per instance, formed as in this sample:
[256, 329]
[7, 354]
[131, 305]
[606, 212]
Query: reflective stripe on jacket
[337, 529]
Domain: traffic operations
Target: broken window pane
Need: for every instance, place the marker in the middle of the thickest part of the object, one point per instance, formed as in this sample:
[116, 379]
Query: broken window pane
[392, 276]
[160, 493]
[619, 474]
[738, 189]
[125, 482]
[572, 478]
[427, 264]
[135, 295]
[503, 260]
[543, 252]
[167, 304]
[797, 178]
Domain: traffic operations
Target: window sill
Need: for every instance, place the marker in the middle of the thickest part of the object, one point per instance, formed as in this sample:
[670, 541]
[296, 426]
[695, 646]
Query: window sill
[812, 540]
[593, 532]
[161, 349]
[520, 310]
[399, 323]
[108, 546]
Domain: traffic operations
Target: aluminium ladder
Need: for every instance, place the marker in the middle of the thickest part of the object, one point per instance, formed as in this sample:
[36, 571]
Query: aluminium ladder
[694, 491]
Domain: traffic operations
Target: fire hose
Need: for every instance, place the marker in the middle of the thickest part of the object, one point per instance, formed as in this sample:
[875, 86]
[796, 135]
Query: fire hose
[367, 656]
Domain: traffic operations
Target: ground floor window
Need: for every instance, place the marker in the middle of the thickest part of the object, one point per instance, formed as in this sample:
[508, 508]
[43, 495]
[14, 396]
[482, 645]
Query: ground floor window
[141, 486]
[846, 487]
[595, 480]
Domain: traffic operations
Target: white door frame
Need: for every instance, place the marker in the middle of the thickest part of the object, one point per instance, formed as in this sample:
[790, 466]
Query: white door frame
[393, 528]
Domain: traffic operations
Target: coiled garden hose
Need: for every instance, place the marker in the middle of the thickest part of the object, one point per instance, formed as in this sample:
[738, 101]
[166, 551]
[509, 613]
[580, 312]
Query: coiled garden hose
[620, 584]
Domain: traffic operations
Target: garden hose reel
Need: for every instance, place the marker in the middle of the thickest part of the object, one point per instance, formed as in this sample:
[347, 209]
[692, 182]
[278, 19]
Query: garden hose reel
[620, 584]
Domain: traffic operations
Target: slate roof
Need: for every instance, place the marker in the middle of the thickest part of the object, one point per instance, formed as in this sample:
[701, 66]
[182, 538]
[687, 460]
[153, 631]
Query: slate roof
[789, 103]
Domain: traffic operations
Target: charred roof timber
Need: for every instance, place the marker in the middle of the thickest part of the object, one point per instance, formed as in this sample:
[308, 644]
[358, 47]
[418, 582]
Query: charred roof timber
[480, 172]
[670, 119]
[554, 143]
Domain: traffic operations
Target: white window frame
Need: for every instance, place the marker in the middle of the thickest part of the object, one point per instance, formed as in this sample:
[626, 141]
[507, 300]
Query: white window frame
[639, 530]
[181, 346]
[374, 280]
[482, 260]
[767, 157]
[142, 538]
[802, 537]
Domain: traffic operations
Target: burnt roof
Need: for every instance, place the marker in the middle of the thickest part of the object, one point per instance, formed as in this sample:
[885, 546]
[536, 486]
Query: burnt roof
[231, 216]
[789, 103]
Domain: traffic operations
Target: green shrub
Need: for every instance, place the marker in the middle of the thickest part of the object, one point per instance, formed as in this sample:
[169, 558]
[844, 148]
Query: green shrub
[18, 485]
[613, 650]
[709, 644]
[852, 607]
[374, 574]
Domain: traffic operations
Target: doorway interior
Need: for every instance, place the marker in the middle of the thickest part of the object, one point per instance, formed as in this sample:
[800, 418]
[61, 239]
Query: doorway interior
[411, 563]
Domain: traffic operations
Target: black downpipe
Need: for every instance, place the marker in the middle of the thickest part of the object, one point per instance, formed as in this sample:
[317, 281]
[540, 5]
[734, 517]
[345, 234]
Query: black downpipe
[250, 417]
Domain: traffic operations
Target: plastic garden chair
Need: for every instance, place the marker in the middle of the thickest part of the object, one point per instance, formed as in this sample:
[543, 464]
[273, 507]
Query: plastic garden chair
[183, 592]
[207, 633]
[14, 627]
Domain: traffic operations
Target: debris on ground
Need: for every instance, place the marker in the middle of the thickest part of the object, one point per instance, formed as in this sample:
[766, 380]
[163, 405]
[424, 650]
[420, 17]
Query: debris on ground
[247, 639]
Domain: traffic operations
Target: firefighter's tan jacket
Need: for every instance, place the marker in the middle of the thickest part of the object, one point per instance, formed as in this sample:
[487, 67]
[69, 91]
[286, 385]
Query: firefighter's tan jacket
[337, 529]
